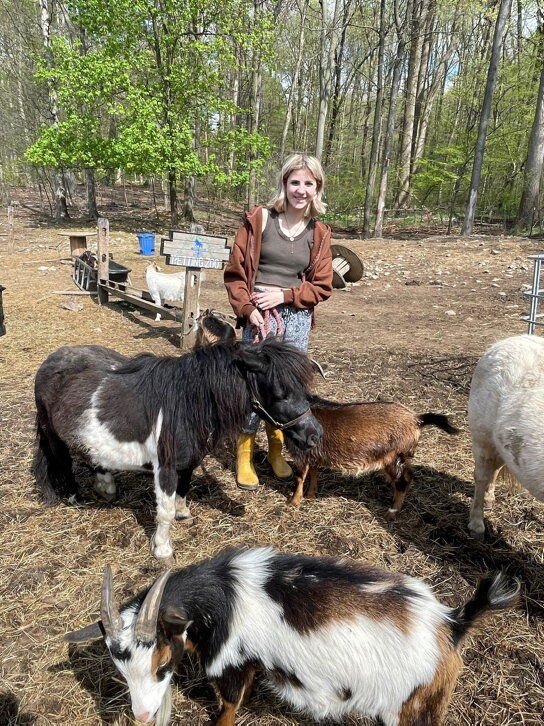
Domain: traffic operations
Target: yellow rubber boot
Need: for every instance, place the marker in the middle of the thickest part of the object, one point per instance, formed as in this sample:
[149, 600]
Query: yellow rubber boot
[246, 476]
[279, 466]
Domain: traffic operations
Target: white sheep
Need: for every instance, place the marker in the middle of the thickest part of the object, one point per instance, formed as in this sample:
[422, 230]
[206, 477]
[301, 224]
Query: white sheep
[505, 408]
[164, 286]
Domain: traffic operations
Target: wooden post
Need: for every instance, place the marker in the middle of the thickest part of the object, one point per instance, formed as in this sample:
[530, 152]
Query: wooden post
[190, 307]
[102, 248]
[11, 232]
[194, 251]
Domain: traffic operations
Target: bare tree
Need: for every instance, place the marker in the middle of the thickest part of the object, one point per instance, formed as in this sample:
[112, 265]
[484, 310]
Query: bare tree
[500, 25]
[376, 124]
[534, 164]
[61, 208]
[333, 17]
[418, 20]
[390, 124]
[302, 8]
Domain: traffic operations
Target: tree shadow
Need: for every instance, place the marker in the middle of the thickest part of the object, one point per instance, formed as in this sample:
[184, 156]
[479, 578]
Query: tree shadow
[151, 329]
[10, 712]
[434, 519]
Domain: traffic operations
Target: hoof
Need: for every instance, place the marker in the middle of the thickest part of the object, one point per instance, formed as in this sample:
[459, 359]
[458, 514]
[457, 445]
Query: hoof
[391, 515]
[478, 536]
[161, 552]
[187, 519]
[294, 502]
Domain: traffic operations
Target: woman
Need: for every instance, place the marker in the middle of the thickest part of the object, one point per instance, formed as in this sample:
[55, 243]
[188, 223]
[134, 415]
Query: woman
[280, 268]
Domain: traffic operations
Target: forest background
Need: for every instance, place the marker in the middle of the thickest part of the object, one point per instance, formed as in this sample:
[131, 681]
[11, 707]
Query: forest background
[411, 105]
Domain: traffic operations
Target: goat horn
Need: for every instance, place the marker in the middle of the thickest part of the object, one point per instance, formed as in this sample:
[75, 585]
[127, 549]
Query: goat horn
[145, 628]
[109, 613]
[318, 367]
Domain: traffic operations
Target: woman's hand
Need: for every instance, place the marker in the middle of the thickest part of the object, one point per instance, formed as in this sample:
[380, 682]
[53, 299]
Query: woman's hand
[267, 299]
[256, 319]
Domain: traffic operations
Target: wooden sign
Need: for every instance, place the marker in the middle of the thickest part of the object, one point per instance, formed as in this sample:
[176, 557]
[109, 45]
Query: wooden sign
[189, 249]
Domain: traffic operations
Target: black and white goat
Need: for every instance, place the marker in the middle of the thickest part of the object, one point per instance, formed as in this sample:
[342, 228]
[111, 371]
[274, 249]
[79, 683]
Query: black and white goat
[332, 637]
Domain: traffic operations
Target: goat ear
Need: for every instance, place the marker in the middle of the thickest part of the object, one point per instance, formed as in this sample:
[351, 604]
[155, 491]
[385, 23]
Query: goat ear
[174, 621]
[250, 360]
[86, 635]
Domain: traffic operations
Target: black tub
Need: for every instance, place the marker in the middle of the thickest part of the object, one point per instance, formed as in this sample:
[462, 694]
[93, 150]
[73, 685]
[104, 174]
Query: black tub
[85, 276]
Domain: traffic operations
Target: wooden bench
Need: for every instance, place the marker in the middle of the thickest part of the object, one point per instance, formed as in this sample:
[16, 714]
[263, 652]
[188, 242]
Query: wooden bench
[78, 241]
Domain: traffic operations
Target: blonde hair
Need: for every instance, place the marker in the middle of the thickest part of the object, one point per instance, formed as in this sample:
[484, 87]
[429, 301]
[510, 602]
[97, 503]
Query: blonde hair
[294, 163]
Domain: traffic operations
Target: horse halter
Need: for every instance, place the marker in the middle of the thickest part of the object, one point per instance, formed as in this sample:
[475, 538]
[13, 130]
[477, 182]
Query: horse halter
[258, 408]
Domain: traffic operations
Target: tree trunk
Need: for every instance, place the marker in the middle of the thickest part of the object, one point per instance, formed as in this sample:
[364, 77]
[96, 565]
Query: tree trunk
[427, 104]
[414, 62]
[173, 194]
[189, 199]
[61, 208]
[92, 209]
[335, 108]
[235, 100]
[500, 25]
[294, 84]
[391, 115]
[331, 30]
[535, 159]
[371, 176]
[388, 142]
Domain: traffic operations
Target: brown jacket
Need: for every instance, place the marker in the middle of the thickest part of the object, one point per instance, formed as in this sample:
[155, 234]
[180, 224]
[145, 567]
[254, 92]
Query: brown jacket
[243, 264]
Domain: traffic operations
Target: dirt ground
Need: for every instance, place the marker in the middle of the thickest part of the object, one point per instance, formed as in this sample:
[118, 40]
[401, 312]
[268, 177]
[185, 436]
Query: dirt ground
[411, 330]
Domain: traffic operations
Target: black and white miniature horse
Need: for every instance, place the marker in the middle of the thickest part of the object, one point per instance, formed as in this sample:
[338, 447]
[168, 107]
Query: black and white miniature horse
[119, 413]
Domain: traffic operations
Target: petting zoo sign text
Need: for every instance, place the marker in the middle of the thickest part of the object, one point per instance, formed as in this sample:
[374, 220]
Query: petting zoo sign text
[195, 250]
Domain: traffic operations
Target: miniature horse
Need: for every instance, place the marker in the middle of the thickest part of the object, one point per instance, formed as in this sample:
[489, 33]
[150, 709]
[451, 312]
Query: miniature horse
[164, 414]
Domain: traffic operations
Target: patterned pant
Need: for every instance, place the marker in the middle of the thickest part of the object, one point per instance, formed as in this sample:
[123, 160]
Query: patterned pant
[296, 330]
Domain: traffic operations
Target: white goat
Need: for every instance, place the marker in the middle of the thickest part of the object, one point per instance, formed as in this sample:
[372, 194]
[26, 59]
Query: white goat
[505, 419]
[164, 286]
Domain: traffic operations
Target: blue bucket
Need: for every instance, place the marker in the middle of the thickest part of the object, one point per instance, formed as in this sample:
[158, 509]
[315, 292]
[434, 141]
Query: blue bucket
[147, 243]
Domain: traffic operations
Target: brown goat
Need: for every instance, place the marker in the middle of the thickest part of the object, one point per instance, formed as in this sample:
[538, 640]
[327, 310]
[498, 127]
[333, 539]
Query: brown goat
[213, 327]
[361, 437]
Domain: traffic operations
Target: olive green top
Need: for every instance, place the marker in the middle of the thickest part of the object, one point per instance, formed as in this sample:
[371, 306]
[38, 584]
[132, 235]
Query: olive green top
[283, 259]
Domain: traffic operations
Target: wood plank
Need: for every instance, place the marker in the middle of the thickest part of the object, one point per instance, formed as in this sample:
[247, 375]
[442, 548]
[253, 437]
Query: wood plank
[171, 247]
[191, 236]
[140, 303]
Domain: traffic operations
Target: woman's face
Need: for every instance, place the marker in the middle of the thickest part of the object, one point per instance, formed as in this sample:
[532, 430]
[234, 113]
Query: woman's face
[300, 188]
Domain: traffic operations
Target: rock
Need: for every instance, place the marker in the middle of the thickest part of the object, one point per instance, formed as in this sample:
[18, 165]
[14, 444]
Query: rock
[71, 304]
[495, 252]
[450, 312]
